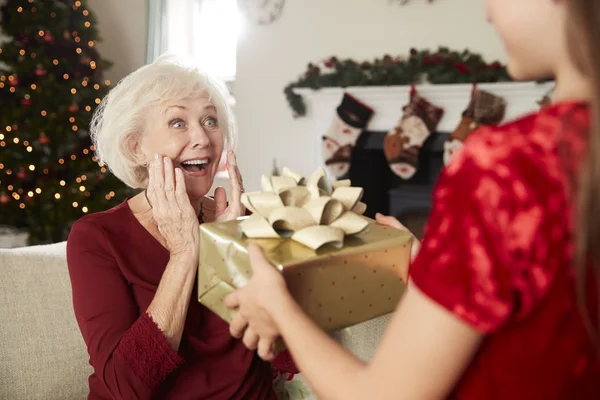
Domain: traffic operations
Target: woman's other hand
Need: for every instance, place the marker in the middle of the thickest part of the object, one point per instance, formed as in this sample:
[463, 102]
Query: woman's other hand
[171, 208]
[227, 210]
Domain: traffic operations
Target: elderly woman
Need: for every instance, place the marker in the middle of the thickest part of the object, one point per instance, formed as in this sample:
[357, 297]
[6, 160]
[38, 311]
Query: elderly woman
[133, 268]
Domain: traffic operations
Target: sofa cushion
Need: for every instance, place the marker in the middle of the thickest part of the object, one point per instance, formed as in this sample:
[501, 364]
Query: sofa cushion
[43, 355]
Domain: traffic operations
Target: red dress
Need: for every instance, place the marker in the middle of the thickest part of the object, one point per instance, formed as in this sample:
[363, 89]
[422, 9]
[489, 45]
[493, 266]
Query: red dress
[498, 252]
[115, 266]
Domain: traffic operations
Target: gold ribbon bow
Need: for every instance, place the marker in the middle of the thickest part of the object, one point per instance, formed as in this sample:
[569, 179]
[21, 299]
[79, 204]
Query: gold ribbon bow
[314, 212]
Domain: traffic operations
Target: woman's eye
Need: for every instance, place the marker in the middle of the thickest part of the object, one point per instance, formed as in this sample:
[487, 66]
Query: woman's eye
[211, 122]
[177, 124]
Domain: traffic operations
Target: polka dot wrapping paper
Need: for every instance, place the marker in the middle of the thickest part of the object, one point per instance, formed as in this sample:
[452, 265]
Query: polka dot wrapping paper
[336, 287]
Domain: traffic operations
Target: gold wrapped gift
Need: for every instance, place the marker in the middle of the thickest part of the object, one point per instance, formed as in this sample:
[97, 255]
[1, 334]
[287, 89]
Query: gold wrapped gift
[341, 267]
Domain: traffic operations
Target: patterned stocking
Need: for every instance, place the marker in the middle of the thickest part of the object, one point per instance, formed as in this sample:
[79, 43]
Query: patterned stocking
[350, 119]
[484, 109]
[403, 143]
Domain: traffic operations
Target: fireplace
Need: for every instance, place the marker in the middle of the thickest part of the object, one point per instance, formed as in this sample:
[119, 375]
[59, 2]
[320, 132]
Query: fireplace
[409, 201]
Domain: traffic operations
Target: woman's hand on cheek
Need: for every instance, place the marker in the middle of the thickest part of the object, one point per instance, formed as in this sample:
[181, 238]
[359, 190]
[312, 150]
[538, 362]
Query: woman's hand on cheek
[255, 323]
[171, 208]
[226, 211]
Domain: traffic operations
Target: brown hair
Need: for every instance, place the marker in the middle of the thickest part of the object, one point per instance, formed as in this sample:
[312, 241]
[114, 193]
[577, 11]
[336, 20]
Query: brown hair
[583, 33]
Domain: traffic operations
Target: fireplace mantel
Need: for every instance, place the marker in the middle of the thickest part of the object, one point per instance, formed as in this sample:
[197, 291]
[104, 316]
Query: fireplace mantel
[387, 101]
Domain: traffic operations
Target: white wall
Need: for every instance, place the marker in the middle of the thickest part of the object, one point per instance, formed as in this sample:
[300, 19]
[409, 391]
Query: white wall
[269, 57]
[123, 26]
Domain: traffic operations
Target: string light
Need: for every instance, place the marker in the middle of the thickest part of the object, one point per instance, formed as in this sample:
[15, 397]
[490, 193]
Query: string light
[1, 85]
[84, 83]
[93, 65]
[41, 33]
[82, 188]
[94, 159]
[75, 204]
[92, 148]
[112, 194]
[8, 172]
[77, 40]
[88, 108]
[72, 119]
[91, 43]
[33, 55]
[103, 170]
[55, 61]
[20, 9]
[66, 76]
[38, 191]
[30, 193]
[85, 151]
[44, 113]
[78, 180]
[78, 50]
[73, 90]
[78, 4]
[32, 167]
[16, 140]
[22, 206]
[107, 82]
[12, 90]
[107, 197]
[3, 143]
[33, 86]
[73, 157]
[1, 136]
[46, 170]
[22, 52]
[29, 149]
[84, 209]
[10, 187]
[85, 12]
[62, 183]
[96, 86]
[26, 143]
[87, 194]
[83, 178]
[61, 162]
[8, 128]
[57, 196]
[16, 196]
[97, 101]
[87, 24]
[1, 166]
[75, 128]
[20, 191]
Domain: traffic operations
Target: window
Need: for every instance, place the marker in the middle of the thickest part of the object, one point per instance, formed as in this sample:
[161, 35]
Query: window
[205, 31]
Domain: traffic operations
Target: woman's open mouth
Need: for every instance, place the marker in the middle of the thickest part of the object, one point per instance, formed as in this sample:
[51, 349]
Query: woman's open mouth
[196, 167]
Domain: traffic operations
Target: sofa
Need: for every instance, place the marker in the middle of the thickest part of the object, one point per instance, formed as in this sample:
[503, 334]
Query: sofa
[42, 354]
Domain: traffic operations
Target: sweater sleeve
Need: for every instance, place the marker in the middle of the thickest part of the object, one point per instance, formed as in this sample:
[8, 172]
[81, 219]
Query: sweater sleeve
[128, 352]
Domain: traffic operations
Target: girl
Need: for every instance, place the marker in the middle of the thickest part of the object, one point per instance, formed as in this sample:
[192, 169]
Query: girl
[502, 300]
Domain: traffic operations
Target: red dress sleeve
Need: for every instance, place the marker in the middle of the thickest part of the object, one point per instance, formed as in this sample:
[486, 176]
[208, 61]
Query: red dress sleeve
[485, 250]
[127, 350]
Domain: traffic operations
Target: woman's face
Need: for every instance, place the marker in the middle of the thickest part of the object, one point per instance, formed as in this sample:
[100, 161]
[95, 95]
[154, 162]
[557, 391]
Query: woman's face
[188, 132]
[533, 32]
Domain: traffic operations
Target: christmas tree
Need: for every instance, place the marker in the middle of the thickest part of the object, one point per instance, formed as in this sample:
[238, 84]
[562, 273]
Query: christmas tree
[51, 80]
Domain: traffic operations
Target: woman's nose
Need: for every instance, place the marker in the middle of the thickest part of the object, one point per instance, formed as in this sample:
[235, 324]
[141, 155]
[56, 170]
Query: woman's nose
[199, 138]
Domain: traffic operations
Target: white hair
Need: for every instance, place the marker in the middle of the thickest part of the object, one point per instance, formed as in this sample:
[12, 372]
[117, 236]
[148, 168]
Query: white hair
[119, 120]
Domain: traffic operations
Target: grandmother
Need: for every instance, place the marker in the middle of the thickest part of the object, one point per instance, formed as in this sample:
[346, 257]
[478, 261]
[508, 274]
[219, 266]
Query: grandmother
[133, 268]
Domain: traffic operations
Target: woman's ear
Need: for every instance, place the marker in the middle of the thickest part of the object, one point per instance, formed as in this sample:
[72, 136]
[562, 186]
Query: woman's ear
[135, 149]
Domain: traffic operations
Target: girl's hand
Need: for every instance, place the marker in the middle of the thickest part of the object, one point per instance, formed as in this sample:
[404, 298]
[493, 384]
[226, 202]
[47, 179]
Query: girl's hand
[233, 209]
[394, 223]
[254, 322]
[171, 208]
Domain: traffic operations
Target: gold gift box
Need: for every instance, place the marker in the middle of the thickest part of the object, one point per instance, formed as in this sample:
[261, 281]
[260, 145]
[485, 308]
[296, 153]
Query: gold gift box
[336, 287]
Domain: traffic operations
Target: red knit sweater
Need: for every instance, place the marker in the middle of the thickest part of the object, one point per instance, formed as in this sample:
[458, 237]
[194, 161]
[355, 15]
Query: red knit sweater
[115, 266]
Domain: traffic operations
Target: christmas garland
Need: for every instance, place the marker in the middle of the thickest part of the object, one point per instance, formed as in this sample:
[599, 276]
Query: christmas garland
[441, 66]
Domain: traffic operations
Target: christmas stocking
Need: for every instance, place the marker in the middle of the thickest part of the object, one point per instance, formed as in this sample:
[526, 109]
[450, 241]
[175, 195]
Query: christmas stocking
[484, 109]
[350, 119]
[403, 143]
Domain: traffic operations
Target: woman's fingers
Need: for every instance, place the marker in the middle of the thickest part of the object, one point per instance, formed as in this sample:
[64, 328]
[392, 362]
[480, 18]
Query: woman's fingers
[220, 201]
[183, 201]
[237, 184]
[159, 186]
[169, 188]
